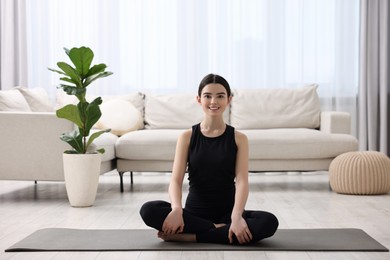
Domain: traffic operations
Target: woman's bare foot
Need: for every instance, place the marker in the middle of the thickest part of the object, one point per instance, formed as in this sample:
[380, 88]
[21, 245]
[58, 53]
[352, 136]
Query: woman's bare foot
[181, 237]
[219, 225]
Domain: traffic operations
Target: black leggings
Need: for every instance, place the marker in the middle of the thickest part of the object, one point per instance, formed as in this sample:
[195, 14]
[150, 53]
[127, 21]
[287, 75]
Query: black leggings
[261, 224]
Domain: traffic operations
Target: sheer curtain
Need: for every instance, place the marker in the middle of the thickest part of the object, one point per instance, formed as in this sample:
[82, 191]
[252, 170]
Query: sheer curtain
[168, 46]
[13, 49]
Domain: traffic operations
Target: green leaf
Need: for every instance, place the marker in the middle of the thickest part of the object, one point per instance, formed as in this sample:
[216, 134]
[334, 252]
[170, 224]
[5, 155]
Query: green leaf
[66, 51]
[101, 150]
[90, 114]
[71, 113]
[96, 69]
[74, 139]
[82, 58]
[70, 90]
[68, 80]
[71, 152]
[82, 108]
[60, 72]
[92, 78]
[96, 135]
[70, 72]
[78, 92]
[97, 101]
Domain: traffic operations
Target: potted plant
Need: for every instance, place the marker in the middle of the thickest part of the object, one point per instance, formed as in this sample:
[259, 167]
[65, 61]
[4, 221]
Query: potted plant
[82, 162]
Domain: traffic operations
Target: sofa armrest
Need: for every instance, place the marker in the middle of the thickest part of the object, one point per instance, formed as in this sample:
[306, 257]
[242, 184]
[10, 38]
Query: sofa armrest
[335, 122]
[30, 147]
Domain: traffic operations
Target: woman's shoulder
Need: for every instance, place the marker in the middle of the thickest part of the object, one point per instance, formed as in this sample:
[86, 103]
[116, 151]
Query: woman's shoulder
[186, 135]
[240, 137]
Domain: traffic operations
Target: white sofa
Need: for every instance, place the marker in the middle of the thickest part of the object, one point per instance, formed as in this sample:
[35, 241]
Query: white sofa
[30, 146]
[286, 129]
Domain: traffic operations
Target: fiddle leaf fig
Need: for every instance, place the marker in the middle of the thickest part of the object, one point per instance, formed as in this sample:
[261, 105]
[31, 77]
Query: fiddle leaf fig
[84, 115]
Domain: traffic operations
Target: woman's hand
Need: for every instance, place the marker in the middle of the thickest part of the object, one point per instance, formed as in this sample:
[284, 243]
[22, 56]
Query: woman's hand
[239, 228]
[174, 222]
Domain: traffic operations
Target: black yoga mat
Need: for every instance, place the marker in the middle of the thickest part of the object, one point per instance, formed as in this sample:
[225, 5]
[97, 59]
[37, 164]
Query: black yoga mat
[62, 239]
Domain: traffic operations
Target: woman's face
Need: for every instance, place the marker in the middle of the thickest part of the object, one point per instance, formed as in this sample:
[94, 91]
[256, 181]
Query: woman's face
[214, 99]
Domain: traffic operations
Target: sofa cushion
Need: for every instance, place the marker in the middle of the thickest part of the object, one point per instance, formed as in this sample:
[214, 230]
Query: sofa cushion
[13, 100]
[298, 143]
[136, 98]
[120, 116]
[153, 144]
[37, 99]
[278, 144]
[175, 111]
[276, 108]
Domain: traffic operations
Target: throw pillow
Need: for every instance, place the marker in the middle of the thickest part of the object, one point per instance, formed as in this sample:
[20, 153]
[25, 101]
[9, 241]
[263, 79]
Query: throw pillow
[276, 108]
[13, 100]
[63, 99]
[136, 99]
[174, 111]
[37, 99]
[120, 116]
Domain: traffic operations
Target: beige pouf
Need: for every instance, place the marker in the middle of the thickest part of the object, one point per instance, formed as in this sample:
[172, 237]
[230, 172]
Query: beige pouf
[360, 173]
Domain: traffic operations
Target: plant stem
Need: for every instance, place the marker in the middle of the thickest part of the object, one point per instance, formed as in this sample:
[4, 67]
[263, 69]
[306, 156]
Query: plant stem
[85, 144]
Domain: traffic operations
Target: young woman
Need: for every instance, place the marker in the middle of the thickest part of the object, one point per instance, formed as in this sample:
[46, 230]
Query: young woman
[216, 158]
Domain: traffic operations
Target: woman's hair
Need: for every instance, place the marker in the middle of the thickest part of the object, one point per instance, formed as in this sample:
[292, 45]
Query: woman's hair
[214, 79]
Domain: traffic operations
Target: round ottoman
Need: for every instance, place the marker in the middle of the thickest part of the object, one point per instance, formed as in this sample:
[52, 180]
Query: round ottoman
[360, 173]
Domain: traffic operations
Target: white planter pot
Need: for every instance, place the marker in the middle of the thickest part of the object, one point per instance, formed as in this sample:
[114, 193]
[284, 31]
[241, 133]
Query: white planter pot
[81, 172]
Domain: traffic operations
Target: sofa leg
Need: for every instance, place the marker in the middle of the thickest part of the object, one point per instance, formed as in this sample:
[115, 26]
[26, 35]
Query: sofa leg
[121, 180]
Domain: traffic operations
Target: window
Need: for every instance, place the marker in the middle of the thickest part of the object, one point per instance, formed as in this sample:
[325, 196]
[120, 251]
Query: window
[165, 46]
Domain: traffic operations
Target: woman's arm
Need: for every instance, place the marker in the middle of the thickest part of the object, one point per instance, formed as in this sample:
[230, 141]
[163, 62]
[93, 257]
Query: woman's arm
[239, 226]
[174, 221]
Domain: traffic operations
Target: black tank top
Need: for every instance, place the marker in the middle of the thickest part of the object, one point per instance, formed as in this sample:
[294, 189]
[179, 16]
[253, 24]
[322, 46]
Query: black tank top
[211, 173]
[212, 161]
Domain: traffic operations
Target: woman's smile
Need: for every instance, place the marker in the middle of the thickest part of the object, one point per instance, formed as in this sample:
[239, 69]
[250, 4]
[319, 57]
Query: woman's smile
[213, 108]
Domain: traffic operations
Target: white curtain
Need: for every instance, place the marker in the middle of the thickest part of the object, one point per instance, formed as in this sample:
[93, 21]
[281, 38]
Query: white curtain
[374, 86]
[168, 46]
[13, 49]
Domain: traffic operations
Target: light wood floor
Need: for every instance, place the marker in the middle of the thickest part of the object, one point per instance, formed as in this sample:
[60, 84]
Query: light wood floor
[298, 200]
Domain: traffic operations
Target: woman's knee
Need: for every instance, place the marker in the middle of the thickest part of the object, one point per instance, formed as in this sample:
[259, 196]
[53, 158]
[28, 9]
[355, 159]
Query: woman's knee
[273, 223]
[152, 209]
[262, 225]
[145, 210]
